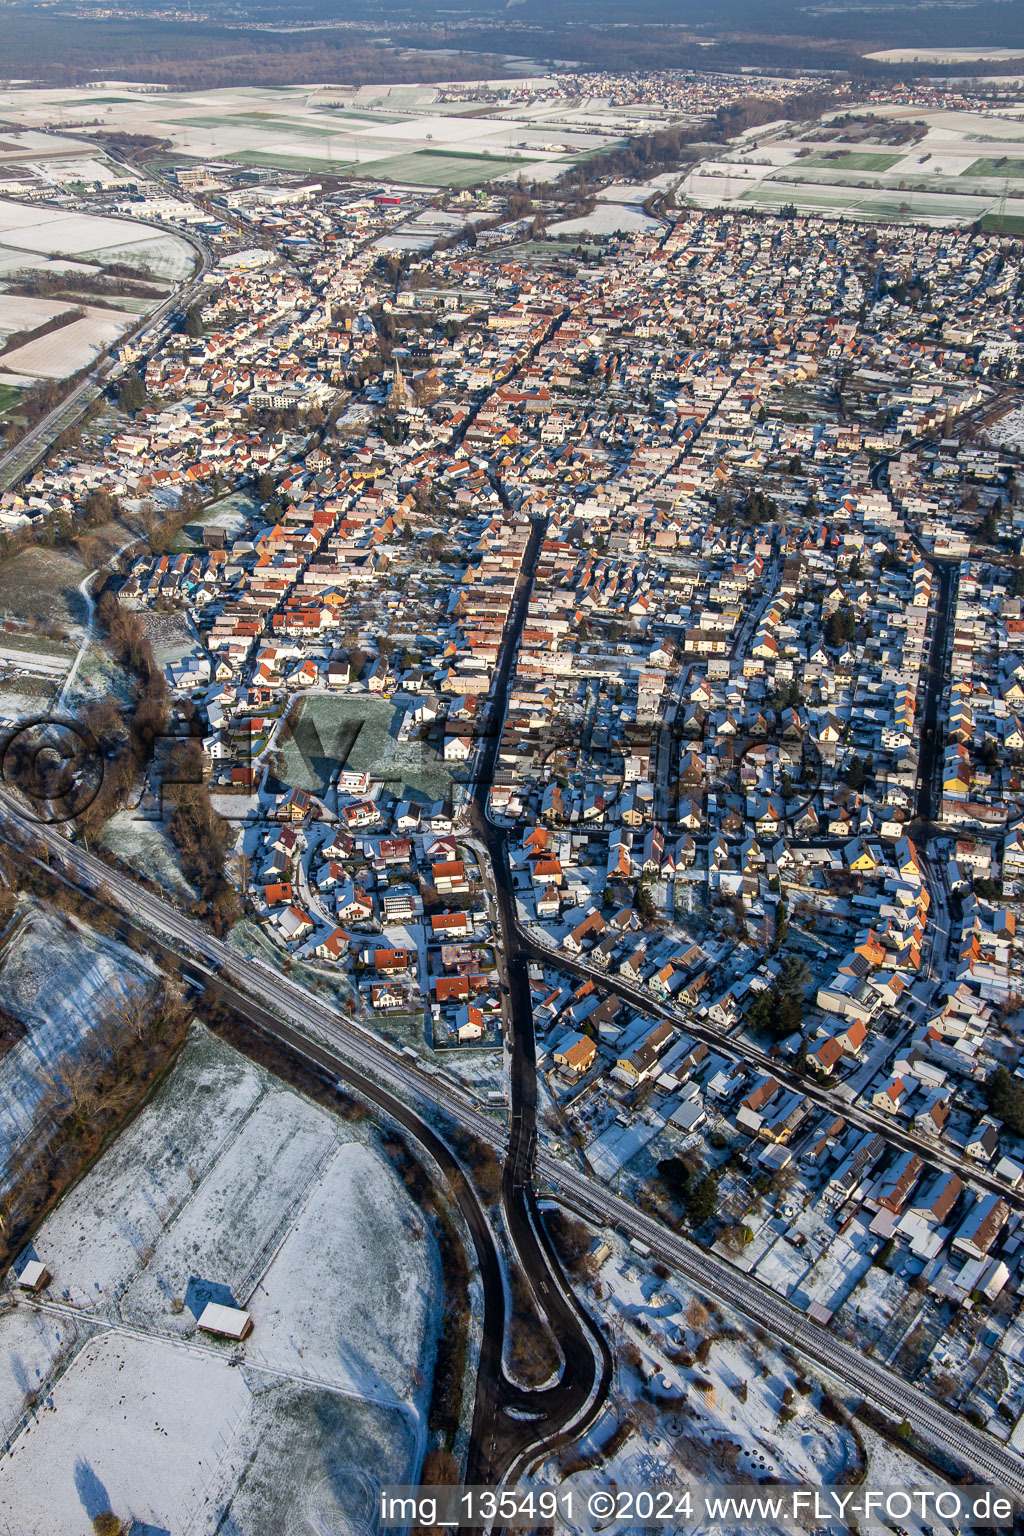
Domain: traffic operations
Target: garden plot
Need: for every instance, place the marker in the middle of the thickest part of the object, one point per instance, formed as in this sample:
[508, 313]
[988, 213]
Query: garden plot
[231, 513]
[738, 1415]
[783, 1267]
[58, 977]
[172, 637]
[836, 1273]
[1008, 431]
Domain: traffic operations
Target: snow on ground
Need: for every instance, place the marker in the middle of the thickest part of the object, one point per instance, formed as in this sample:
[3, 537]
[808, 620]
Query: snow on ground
[307, 1461]
[617, 1145]
[482, 1071]
[108, 1225]
[60, 232]
[637, 192]
[146, 846]
[726, 1409]
[71, 347]
[246, 1200]
[1008, 431]
[33, 1343]
[733, 1414]
[944, 55]
[24, 314]
[56, 976]
[836, 1272]
[225, 1180]
[368, 1314]
[606, 219]
[138, 1456]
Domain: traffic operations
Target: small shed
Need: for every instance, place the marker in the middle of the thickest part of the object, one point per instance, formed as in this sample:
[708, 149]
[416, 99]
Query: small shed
[230, 1322]
[34, 1276]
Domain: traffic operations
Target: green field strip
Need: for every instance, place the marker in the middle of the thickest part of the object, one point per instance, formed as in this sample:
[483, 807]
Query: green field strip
[1003, 224]
[998, 169]
[294, 162]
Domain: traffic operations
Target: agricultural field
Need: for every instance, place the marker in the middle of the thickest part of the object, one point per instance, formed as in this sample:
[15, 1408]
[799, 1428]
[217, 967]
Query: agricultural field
[227, 1187]
[619, 211]
[23, 314]
[69, 347]
[1005, 166]
[403, 132]
[954, 172]
[945, 55]
[442, 168]
[10, 397]
[853, 160]
[606, 219]
[43, 585]
[1003, 224]
[31, 234]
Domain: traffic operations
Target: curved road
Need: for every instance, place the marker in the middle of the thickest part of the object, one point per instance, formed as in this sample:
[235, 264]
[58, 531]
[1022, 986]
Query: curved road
[501, 1447]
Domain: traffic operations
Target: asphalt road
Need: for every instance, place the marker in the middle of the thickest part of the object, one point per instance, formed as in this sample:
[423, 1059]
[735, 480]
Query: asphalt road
[583, 1385]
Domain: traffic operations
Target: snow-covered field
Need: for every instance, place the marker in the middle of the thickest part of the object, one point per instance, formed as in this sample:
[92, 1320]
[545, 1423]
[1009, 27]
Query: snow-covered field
[146, 846]
[927, 55]
[31, 229]
[58, 977]
[229, 1187]
[606, 219]
[385, 127]
[138, 1455]
[71, 347]
[21, 314]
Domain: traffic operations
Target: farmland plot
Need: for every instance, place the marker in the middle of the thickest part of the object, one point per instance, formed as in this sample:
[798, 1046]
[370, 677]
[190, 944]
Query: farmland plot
[42, 231]
[69, 348]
